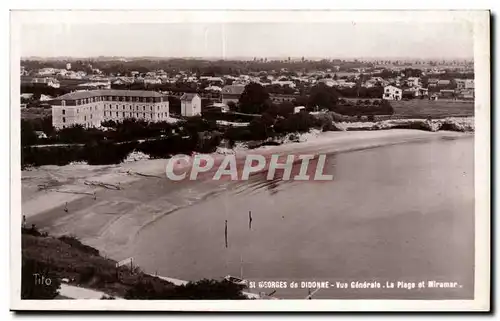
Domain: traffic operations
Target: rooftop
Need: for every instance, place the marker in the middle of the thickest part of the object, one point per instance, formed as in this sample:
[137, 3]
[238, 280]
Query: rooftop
[108, 92]
[188, 96]
[233, 89]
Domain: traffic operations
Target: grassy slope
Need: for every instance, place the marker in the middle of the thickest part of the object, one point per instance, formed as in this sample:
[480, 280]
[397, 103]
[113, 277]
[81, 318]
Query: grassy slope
[87, 270]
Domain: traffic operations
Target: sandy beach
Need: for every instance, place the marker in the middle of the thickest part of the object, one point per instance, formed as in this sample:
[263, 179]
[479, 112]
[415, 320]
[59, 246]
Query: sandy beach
[139, 193]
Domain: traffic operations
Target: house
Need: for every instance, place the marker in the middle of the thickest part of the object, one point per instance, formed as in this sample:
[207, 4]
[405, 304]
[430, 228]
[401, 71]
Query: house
[392, 93]
[51, 82]
[432, 82]
[447, 93]
[45, 97]
[413, 81]
[152, 81]
[40, 134]
[443, 82]
[466, 94]
[298, 109]
[223, 108]
[26, 96]
[232, 93]
[190, 105]
[213, 88]
[329, 82]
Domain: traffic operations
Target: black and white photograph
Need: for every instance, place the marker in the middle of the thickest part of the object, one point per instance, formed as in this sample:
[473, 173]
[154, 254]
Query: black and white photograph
[271, 161]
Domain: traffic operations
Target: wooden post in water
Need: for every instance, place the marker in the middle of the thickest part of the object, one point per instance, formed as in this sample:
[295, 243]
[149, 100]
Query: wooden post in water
[225, 233]
[249, 220]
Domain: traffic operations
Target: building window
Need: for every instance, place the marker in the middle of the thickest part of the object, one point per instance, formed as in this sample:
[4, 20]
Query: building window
[123, 114]
[64, 119]
[90, 116]
[116, 114]
[143, 108]
[85, 118]
[64, 112]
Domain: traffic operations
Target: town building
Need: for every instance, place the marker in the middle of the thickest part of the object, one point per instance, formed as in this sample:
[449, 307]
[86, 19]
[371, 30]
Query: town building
[413, 81]
[464, 83]
[392, 93]
[277, 98]
[298, 109]
[190, 105]
[232, 93]
[90, 108]
[47, 81]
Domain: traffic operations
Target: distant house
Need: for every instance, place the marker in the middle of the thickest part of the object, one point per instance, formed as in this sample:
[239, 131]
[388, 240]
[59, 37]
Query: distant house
[392, 93]
[40, 134]
[190, 105]
[413, 81]
[152, 80]
[45, 97]
[51, 82]
[26, 96]
[223, 108]
[232, 93]
[329, 82]
[447, 93]
[467, 94]
[298, 109]
[464, 83]
[443, 82]
[433, 82]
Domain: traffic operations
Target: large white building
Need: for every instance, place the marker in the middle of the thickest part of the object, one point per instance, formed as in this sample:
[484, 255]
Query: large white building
[90, 108]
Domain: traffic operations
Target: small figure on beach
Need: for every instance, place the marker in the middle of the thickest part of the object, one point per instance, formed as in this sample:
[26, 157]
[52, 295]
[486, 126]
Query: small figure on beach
[95, 197]
[249, 220]
[66, 207]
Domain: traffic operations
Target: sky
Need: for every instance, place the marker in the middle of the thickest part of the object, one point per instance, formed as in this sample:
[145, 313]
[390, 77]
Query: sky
[232, 40]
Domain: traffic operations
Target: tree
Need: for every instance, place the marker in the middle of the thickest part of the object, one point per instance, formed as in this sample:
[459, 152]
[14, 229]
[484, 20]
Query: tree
[37, 281]
[254, 99]
[232, 106]
[28, 135]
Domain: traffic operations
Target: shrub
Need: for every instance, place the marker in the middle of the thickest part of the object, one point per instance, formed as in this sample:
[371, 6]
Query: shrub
[32, 287]
[74, 242]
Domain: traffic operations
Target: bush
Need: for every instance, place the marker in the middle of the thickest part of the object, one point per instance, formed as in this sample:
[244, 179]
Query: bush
[32, 287]
[200, 290]
[74, 242]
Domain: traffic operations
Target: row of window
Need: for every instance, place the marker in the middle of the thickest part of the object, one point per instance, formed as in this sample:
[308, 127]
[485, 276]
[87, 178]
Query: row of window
[110, 114]
[128, 107]
[123, 114]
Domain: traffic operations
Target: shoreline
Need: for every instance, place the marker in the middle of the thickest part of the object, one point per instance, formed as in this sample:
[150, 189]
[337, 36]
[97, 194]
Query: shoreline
[112, 220]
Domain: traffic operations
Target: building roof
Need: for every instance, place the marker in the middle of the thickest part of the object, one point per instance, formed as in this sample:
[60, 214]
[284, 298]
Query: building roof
[189, 96]
[233, 89]
[108, 92]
